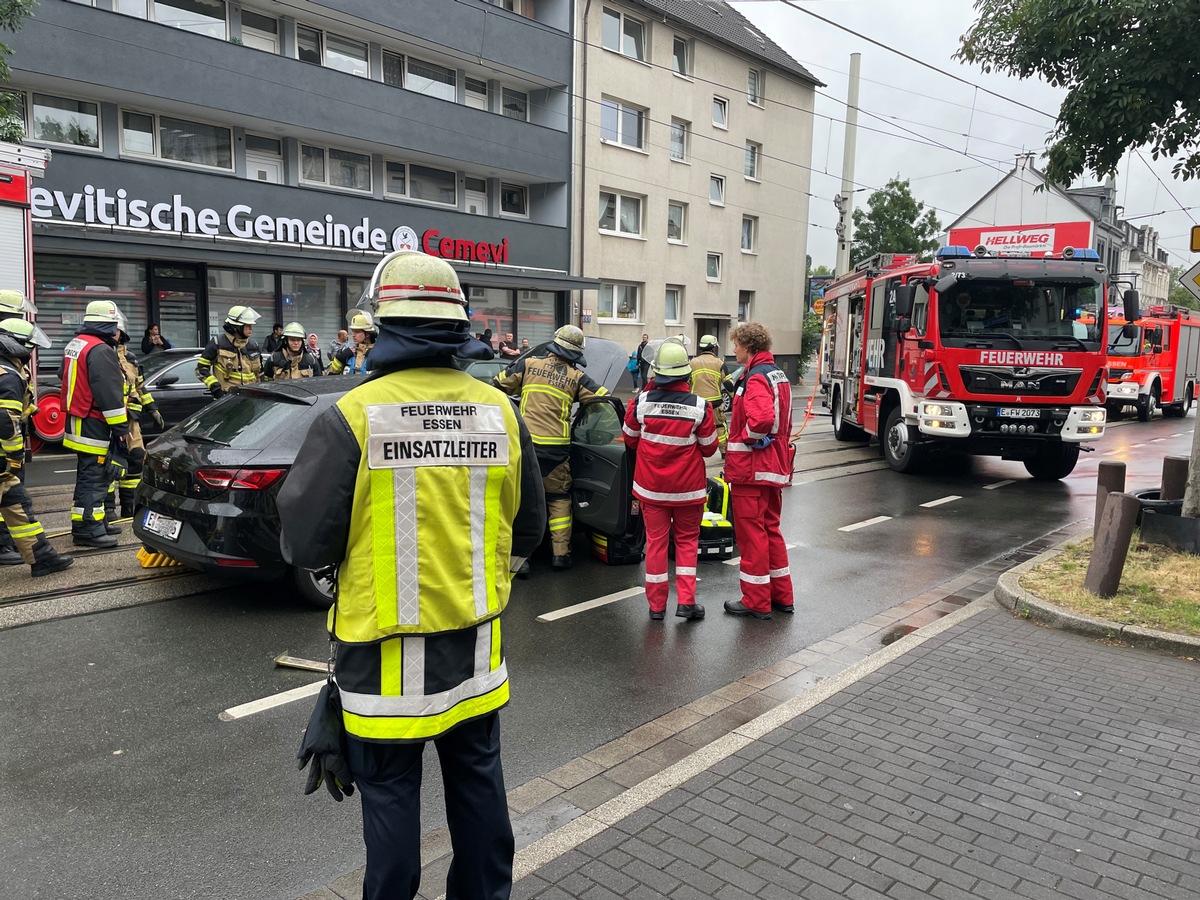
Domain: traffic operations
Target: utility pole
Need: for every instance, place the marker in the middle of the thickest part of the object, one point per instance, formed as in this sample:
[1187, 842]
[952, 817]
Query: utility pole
[845, 200]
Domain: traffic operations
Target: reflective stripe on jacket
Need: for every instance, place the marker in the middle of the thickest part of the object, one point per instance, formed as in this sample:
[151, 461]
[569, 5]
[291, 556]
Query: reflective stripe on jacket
[762, 405]
[548, 387]
[283, 366]
[351, 359]
[93, 389]
[230, 362]
[12, 394]
[708, 374]
[672, 431]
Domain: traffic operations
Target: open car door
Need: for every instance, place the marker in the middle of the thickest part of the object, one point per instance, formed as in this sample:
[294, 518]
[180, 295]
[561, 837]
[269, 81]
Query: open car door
[601, 473]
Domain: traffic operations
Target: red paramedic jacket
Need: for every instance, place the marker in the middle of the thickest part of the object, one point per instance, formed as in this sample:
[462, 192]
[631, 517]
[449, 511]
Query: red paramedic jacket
[92, 383]
[672, 430]
[762, 406]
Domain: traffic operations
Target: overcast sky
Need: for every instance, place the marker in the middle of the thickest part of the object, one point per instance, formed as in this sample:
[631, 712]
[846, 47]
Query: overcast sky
[896, 94]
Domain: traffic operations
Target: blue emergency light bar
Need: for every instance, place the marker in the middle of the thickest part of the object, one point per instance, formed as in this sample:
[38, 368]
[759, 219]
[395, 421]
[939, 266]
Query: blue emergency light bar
[1081, 253]
[953, 251]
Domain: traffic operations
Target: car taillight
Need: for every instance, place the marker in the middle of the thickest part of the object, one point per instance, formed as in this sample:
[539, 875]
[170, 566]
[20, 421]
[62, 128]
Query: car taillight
[240, 479]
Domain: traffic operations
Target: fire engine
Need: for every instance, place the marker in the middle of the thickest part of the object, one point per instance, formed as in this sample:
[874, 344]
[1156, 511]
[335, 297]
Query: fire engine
[1156, 363]
[969, 353]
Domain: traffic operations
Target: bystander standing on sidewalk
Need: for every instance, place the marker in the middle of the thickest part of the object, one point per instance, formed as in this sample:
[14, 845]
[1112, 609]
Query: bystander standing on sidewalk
[634, 370]
[338, 345]
[644, 360]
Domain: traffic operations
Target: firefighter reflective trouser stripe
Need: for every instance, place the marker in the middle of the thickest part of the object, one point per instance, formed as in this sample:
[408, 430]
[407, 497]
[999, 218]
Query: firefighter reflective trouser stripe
[16, 510]
[91, 487]
[684, 521]
[558, 507]
[127, 483]
[765, 575]
[87, 435]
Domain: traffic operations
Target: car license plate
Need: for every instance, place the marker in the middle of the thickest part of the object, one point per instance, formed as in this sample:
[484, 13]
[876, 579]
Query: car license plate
[163, 526]
[1018, 412]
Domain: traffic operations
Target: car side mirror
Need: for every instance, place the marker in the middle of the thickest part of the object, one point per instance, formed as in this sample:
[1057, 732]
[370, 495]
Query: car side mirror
[167, 381]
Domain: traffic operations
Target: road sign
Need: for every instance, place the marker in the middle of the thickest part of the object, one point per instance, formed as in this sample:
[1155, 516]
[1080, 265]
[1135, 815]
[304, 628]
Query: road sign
[1196, 238]
[819, 306]
[1191, 280]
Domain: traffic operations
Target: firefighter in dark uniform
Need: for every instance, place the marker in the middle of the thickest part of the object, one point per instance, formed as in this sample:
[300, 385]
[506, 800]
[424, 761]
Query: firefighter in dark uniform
[234, 359]
[352, 359]
[93, 396]
[139, 403]
[13, 305]
[445, 502]
[18, 337]
[548, 387]
[292, 360]
[708, 378]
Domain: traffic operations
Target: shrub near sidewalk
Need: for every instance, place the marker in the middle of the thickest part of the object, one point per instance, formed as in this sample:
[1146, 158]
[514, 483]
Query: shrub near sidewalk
[1160, 588]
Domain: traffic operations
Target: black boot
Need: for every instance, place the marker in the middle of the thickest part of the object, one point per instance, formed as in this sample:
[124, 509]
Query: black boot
[9, 556]
[102, 541]
[111, 527]
[561, 562]
[47, 560]
[693, 612]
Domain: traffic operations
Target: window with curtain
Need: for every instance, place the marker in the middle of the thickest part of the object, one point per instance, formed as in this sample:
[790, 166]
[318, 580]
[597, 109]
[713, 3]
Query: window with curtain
[620, 214]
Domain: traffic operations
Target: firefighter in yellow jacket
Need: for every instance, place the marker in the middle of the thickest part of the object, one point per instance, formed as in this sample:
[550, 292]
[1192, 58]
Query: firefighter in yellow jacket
[708, 377]
[549, 385]
[352, 359]
[13, 305]
[234, 359]
[140, 406]
[292, 360]
[445, 502]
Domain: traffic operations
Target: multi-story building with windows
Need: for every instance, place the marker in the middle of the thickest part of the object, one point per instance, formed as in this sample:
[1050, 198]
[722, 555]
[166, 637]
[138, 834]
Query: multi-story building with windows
[211, 152]
[693, 146]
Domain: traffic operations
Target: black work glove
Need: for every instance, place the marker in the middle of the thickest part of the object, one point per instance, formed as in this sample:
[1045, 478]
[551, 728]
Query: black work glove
[216, 391]
[324, 746]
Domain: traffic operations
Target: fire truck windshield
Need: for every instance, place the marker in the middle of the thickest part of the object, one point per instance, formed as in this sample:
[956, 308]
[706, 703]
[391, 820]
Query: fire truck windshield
[1037, 314]
[1121, 345]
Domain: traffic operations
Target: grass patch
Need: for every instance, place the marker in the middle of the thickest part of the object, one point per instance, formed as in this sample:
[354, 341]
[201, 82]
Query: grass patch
[1159, 589]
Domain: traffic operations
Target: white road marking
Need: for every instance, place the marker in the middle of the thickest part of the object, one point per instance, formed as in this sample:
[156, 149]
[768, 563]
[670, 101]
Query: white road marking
[999, 484]
[590, 604]
[257, 706]
[62, 471]
[1179, 434]
[1135, 446]
[737, 560]
[941, 500]
[864, 524]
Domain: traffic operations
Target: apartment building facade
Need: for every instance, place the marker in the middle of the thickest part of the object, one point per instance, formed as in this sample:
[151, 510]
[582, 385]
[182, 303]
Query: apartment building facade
[209, 152]
[693, 147]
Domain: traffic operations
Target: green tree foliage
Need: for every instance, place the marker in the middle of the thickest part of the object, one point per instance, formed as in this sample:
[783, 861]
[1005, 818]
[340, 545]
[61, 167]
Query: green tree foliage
[894, 222]
[810, 342]
[12, 14]
[1129, 67]
[1179, 295]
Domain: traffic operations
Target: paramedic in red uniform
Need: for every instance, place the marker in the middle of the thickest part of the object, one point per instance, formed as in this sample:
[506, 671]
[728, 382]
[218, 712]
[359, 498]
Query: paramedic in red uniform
[757, 466]
[671, 431]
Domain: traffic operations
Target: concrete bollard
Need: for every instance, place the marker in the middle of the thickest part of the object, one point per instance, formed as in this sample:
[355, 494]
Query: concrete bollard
[1112, 544]
[1110, 476]
[1174, 477]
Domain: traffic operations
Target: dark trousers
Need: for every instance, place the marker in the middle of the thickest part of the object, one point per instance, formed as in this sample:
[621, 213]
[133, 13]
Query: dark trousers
[388, 777]
[93, 479]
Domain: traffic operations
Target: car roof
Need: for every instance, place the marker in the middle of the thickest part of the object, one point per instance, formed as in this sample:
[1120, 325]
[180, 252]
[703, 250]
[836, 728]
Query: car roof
[307, 389]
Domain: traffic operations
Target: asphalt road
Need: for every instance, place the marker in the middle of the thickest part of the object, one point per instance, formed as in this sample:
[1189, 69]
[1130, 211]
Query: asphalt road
[119, 779]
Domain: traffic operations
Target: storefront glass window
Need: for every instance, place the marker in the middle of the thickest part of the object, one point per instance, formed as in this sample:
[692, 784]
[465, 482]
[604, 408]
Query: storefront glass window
[239, 287]
[65, 285]
[315, 302]
[535, 316]
[491, 308]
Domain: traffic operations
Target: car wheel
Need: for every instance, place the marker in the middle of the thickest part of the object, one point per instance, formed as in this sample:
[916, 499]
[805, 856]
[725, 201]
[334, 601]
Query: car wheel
[1053, 461]
[316, 586]
[900, 448]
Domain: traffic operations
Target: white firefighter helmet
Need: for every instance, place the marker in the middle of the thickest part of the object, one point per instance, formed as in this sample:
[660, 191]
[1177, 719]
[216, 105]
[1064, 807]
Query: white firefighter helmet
[241, 315]
[708, 342]
[294, 329]
[568, 343]
[102, 311]
[361, 320]
[26, 332]
[15, 303]
[671, 360]
[409, 284]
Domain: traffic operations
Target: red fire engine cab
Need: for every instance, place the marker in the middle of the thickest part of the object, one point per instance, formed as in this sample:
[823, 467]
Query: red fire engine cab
[1155, 364]
[969, 353]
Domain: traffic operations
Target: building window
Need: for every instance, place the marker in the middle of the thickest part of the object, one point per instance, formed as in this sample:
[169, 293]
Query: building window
[750, 234]
[197, 16]
[260, 32]
[335, 168]
[346, 55]
[754, 85]
[176, 140]
[676, 221]
[624, 34]
[515, 104]
[713, 267]
[745, 305]
[514, 199]
[620, 214]
[679, 139]
[475, 192]
[621, 124]
[720, 112]
[716, 190]
[681, 56]
[753, 155]
[619, 301]
[419, 76]
[432, 185]
[59, 120]
[264, 159]
[309, 45]
[476, 93]
[673, 304]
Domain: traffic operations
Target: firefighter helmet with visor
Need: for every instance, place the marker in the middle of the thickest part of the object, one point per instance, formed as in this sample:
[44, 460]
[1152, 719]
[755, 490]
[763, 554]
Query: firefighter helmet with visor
[409, 284]
[102, 311]
[26, 332]
[241, 315]
[15, 303]
[294, 329]
[361, 320]
[671, 360]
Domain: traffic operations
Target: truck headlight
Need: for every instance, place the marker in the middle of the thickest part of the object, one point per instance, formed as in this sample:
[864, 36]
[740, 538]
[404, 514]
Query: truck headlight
[1099, 415]
[938, 410]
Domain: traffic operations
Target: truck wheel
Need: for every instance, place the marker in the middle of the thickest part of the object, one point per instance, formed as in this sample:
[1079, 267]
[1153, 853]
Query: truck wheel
[843, 430]
[1148, 404]
[1053, 461]
[315, 586]
[900, 448]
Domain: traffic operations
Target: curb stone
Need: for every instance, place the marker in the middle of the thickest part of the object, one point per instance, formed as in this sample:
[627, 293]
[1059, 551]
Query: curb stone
[1020, 601]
